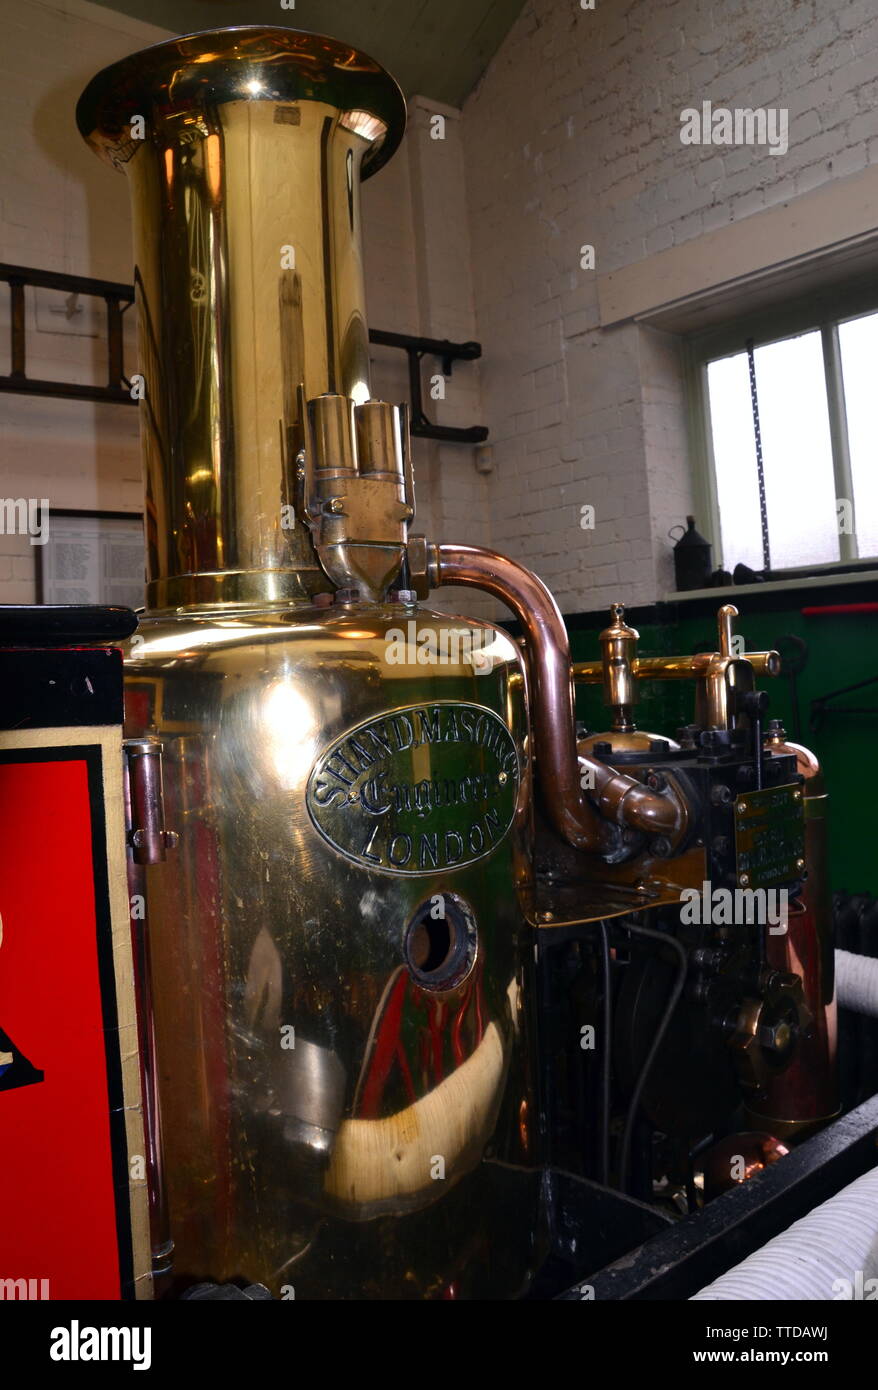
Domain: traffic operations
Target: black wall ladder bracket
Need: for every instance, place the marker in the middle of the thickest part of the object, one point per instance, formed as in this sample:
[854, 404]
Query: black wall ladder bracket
[119, 298]
[448, 353]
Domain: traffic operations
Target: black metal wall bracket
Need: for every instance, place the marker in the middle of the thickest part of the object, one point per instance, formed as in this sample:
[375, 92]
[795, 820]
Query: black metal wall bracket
[448, 353]
[120, 297]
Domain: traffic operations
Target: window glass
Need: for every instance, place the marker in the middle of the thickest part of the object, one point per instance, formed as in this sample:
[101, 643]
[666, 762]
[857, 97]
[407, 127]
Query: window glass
[859, 358]
[731, 419]
[796, 451]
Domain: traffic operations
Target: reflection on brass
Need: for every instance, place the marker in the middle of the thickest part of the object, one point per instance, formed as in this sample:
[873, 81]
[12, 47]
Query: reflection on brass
[379, 1165]
[331, 1087]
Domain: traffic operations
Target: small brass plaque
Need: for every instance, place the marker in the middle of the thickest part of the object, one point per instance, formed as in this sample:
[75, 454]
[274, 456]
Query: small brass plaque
[769, 836]
[419, 790]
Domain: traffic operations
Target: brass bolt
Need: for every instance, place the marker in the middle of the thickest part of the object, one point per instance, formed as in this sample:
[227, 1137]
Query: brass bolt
[741, 807]
[418, 553]
[800, 863]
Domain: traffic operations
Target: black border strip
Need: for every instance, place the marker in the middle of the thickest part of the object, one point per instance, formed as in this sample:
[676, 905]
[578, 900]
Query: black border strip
[91, 755]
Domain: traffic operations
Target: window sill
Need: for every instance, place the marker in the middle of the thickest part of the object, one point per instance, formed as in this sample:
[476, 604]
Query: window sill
[776, 586]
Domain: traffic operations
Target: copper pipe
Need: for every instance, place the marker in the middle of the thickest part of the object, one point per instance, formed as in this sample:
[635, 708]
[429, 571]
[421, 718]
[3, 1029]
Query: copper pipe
[620, 799]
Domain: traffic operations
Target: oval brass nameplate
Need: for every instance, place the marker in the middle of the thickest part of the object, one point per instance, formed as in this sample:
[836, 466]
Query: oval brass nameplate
[419, 790]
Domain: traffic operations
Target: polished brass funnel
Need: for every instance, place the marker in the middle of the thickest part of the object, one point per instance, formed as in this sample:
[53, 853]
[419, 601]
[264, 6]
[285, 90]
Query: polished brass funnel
[244, 150]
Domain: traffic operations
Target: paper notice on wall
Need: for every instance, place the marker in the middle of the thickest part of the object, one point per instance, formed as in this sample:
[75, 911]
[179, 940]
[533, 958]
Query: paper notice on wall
[94, 560]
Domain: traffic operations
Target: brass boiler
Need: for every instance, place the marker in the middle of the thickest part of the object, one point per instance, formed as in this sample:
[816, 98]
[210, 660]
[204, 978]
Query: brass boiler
[337, 914]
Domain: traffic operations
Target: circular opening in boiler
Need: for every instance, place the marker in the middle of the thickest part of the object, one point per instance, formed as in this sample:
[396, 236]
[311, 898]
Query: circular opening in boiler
[430, 945]
[440, 942]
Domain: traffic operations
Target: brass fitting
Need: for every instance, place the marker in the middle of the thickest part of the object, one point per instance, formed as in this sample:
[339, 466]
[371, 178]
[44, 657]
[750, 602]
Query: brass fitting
[422, 565]
[723, 676]
[768, 1028]
[619, 655]
[358, 491]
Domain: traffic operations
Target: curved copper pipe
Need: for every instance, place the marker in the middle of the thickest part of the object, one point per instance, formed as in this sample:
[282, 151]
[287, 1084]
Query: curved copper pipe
[621, 799]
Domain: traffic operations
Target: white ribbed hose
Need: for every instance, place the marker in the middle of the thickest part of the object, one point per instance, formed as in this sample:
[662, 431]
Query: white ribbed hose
[828, 1255]
[856, 980]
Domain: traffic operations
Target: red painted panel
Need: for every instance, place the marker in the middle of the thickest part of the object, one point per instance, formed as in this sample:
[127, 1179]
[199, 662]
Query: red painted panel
[57, 1206]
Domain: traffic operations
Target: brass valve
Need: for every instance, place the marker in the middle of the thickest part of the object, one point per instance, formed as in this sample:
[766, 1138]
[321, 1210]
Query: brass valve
[618, 660]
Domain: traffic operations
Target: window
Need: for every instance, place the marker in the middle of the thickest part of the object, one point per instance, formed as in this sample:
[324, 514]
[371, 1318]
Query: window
[808, 391]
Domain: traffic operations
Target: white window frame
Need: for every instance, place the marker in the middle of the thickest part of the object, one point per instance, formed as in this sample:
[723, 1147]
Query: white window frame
[820, 312]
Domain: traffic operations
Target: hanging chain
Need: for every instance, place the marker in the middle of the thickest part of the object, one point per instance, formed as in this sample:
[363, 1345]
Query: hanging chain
[760, 467]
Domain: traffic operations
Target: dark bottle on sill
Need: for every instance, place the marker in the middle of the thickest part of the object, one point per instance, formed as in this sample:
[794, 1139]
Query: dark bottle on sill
[692, 560]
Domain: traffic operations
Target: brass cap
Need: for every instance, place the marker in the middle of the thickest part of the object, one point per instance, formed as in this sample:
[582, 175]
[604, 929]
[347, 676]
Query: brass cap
[246, 63]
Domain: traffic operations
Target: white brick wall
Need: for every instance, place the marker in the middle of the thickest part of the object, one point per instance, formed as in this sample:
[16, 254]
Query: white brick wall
[18, 569]
[571, 138]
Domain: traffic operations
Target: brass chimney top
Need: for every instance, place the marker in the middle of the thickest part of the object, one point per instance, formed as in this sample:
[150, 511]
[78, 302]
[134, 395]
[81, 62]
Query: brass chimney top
[244, 150]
